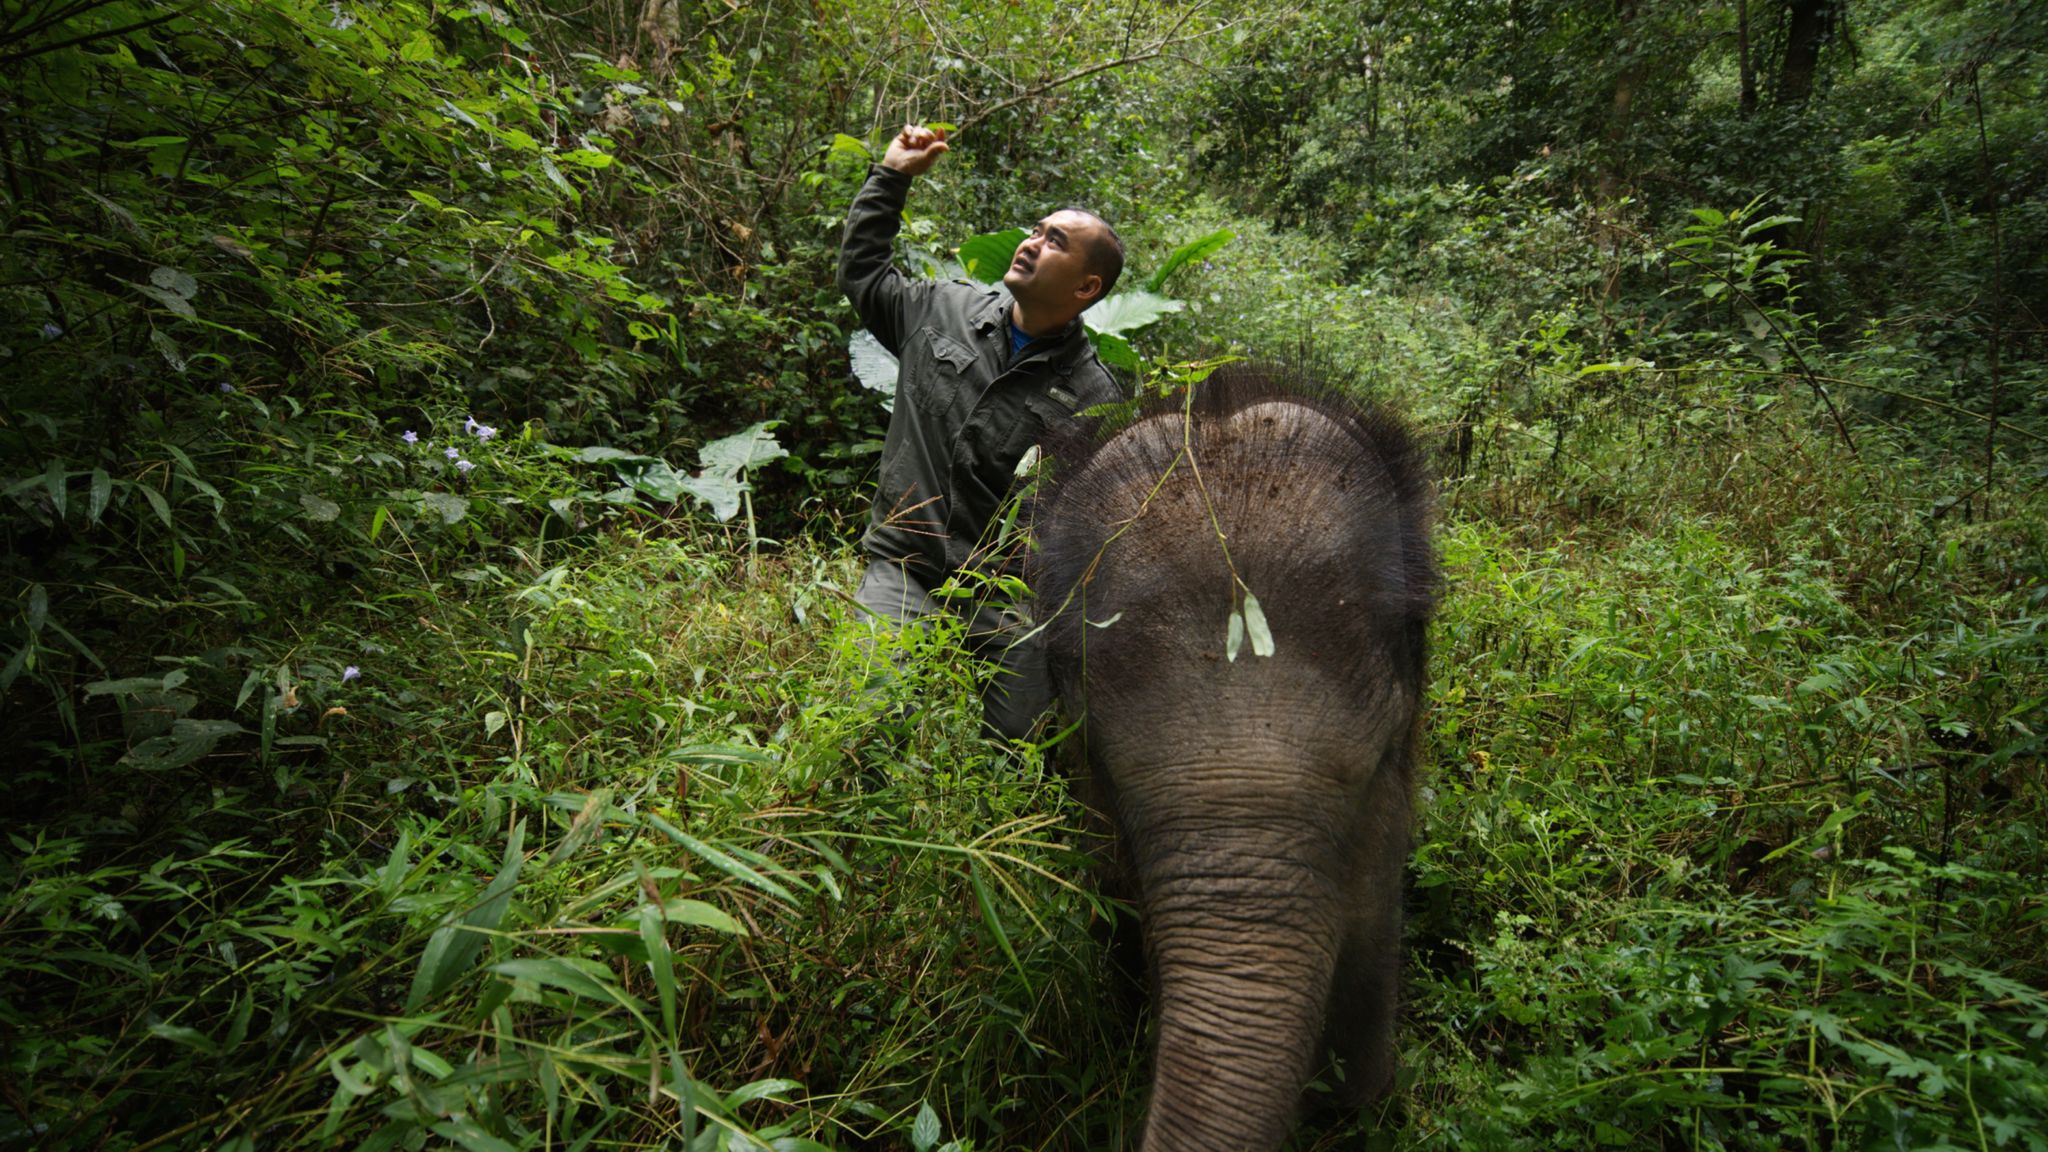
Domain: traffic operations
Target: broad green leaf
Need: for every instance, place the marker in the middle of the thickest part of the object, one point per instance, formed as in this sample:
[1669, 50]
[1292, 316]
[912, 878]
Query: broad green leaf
[743, 451]
[466, 1132]
[1114, 351]
[721, 493]
[721, 861]
[157, 504]
[173, 281]
[102, 491]
[450, 507]
[599, 454]
[133, 685]
[184, 1037]
[987, 257]
[1233, 643]
[39, 614]
[188, 741]
[702, 915]
[420, 49]
[585, 978]
[1255, 627]
[554, 175]
[1766, 223]
[1187, 254]
[660, 961]
[350, 1083]
[318, 508]
[874, 365]
[454, 946]
[165, 297]
[760, 1090]
[679, 1083]
[1129, 311]
[924, 1131]
[392, 876]
[56, 483]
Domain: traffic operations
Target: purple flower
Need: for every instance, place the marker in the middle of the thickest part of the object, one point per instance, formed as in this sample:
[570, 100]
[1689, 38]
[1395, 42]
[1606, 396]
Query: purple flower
[51, 331]
[226, 387]
[465, 465]
[452, 452]
[485, 431]
[350, 673]
[410, 437]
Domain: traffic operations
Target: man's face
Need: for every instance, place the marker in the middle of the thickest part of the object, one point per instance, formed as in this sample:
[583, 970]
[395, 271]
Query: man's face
[1051, 266]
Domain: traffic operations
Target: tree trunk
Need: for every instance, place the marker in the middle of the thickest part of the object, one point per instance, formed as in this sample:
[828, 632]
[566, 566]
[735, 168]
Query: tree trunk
[1810, 26]
[1627, 82]
[1745, 60]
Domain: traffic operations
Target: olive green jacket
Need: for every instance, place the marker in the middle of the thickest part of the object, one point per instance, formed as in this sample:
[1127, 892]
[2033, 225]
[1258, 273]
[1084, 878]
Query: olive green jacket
[964, 414]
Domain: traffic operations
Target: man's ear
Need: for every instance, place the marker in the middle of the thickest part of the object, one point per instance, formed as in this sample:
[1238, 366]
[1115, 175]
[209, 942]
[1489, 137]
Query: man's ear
[1093, 292]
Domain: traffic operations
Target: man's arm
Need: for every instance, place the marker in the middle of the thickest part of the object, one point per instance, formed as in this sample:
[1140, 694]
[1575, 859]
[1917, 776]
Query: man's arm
[889, 304]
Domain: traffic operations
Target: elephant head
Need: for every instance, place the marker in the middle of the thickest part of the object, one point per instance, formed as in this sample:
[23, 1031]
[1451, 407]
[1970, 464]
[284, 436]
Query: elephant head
[1262, 801]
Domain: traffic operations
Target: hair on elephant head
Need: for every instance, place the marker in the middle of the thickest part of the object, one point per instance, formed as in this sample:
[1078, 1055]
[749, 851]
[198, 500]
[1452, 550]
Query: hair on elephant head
[1237, 587]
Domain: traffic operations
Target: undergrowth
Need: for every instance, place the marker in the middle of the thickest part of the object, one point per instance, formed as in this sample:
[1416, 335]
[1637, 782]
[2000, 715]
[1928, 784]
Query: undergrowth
[491, 807]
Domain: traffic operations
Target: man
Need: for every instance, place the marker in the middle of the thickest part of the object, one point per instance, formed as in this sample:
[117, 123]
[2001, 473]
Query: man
[982, 373]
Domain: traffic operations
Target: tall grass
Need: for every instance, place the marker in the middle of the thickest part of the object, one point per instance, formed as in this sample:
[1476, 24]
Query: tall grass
[564, 824]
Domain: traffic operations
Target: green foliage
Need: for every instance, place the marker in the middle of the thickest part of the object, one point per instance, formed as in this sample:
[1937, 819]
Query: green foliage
[406, 762]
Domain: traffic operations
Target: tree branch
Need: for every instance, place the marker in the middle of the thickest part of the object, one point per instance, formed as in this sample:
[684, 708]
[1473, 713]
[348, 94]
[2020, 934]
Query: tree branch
[89, 37]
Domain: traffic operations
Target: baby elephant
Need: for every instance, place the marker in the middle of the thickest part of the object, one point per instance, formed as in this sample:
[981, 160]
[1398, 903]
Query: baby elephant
[1261, 801]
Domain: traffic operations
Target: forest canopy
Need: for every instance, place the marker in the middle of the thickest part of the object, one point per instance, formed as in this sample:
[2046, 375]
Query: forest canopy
[433, 441]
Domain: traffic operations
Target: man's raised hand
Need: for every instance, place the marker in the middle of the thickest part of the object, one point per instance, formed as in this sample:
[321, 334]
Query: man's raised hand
[915, 150]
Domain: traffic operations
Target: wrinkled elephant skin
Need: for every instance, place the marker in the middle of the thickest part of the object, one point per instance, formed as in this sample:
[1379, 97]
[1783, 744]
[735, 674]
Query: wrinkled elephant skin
[1261, 804]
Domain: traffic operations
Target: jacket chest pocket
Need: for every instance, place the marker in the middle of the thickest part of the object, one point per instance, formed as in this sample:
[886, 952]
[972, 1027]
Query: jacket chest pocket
[941, 373]
[1039, 413]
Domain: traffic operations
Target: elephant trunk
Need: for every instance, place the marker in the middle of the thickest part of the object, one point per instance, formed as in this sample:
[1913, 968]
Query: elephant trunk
[1241, 929]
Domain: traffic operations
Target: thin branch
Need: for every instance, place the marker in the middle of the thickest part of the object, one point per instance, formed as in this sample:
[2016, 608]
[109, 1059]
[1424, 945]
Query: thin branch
[89, 37]
[1806, 371]
[1172, 39]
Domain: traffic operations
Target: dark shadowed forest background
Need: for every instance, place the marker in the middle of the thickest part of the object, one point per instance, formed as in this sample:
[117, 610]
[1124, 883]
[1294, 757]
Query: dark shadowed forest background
[431, 455]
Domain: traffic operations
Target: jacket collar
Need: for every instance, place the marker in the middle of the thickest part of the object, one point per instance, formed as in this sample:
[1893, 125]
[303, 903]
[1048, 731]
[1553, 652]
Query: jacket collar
[1062, 349]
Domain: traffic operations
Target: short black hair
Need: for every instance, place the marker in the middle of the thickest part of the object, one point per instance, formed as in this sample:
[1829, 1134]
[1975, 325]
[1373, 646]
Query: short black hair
[1105, 254]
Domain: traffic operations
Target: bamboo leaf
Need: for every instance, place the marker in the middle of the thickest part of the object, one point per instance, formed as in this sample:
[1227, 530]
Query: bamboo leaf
[993, 921]
[721, 861]
[1255, 627]
[454, 946]
[1187, 254]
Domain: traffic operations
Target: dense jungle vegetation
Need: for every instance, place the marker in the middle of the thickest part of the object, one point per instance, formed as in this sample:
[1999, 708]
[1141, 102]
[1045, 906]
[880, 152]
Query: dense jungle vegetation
[432, 453]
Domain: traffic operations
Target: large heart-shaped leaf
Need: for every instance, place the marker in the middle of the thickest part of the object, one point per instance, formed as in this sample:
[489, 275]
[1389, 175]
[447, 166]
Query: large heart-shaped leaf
[873, 364]
[721, 492]
[987, 257]
[1114, 351]
[1130, 311]
[742, 451]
